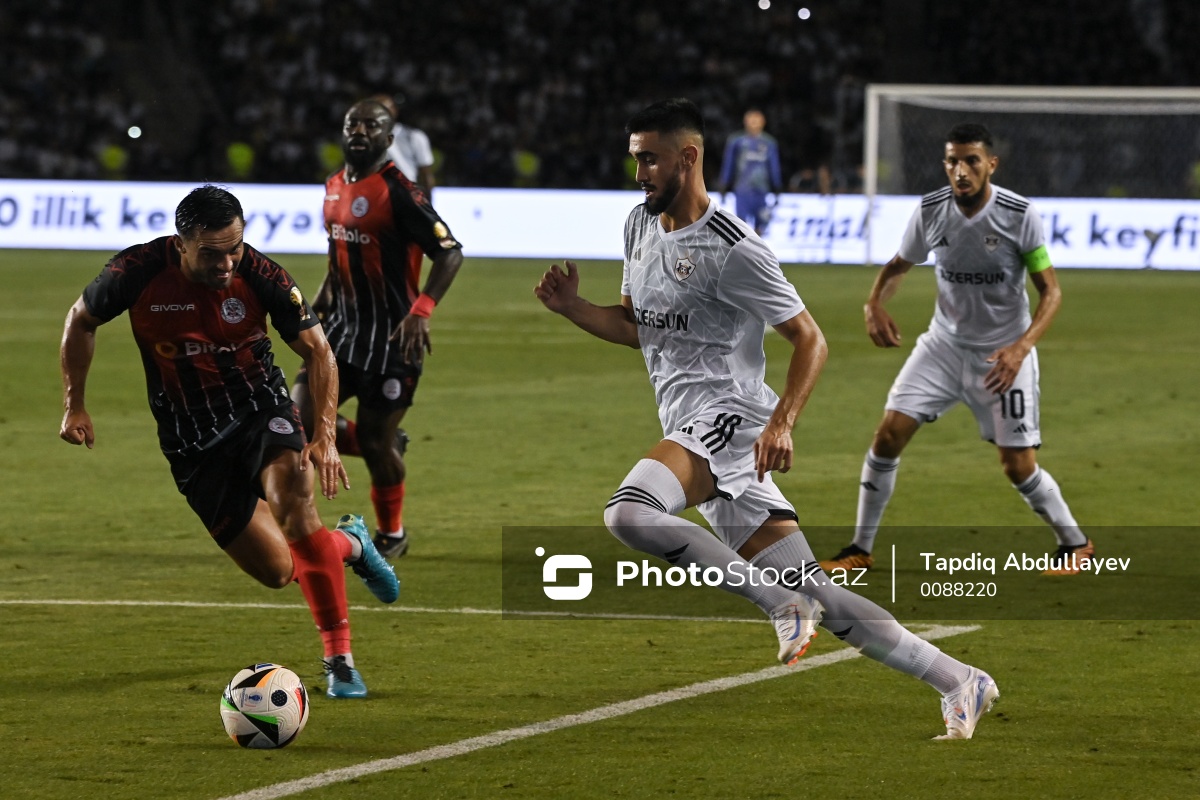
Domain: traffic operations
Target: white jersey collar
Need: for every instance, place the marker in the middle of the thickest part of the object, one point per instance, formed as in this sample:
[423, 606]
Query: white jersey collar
[681, 232]
[983, 212]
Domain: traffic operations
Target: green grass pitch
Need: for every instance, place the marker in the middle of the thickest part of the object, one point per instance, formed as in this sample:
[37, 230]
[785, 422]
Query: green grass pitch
[521, 419]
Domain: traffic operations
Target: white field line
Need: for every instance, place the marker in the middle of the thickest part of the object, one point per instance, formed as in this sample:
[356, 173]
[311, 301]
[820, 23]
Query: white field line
[374, 609]
[464, 746]
[466, 610]
[497, 738]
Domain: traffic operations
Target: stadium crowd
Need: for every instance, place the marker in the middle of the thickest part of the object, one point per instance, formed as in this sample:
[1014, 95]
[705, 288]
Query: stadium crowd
[530, 94]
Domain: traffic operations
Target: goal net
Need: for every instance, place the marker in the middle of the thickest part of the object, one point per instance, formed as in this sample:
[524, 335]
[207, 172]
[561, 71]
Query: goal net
[1052, 142]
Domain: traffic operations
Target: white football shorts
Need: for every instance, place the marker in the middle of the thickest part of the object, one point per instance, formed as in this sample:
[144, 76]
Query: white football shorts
[939, 374]
[725, 438]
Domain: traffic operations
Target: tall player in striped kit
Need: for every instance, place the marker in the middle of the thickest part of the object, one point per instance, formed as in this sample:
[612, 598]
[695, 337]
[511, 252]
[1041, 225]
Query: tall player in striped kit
[380, 225]
[698, 292]
[980, 348]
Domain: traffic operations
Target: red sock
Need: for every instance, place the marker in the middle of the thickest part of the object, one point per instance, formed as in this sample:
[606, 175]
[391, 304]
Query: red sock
[389, 505]
[321, 572]
[347, 437]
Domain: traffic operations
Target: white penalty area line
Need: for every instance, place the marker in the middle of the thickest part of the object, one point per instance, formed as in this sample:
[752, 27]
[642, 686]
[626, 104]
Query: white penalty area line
[598, 714]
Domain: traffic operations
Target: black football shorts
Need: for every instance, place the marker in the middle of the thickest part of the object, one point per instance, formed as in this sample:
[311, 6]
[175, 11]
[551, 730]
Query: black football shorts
[384, 393]
[222, 483]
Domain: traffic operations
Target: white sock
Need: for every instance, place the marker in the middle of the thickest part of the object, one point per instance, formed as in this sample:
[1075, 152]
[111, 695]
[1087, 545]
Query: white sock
[945, 673]
[876, 483]
[1041, 492]
[355, 546]
[396, 534]
[641, 514]
[348, 656]
[861, 623]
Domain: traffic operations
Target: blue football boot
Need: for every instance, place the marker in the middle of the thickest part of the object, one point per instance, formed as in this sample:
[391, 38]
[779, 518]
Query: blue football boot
[375, 572]
[343, 679]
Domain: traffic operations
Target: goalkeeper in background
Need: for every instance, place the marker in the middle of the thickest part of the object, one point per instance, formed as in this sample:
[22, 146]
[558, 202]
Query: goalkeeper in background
[979, 349]
[751, 167]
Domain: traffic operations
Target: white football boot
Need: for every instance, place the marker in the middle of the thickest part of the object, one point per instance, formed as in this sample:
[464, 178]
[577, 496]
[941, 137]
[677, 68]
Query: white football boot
[962, 708]
[796, 624]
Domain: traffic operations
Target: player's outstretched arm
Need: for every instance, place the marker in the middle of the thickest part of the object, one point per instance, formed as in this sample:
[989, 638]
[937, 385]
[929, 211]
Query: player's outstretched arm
[882, 329]
[1006, 361]
[559, 291]
[773, 448]
[413, 331]
[75, 359]
[321, 450]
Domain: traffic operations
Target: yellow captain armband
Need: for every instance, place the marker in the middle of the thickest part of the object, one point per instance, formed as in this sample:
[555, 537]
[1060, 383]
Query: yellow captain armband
[1037, 260]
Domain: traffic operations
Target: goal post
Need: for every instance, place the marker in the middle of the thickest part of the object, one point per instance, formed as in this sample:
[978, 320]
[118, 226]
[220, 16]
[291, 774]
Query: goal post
[1069, 142]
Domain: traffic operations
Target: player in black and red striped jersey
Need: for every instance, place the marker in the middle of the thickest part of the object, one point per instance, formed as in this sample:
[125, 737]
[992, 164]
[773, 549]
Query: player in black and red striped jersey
[380, 226]
[198, 305]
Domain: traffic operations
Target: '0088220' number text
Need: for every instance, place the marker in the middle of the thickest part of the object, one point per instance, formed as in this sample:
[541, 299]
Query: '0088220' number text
[956, 589]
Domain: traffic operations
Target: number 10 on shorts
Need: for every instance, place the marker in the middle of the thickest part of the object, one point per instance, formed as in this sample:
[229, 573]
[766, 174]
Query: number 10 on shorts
[1012, 404]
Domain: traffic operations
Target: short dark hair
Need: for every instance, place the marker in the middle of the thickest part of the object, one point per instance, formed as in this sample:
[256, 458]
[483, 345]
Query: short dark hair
[667, 116]
[969, 133]
[206, 208]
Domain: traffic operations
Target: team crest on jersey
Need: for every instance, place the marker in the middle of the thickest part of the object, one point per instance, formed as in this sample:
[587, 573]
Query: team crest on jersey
[991, 243]
[684, 268]
[360, 207]
[233, 310]
[280, 425]
[392, 389]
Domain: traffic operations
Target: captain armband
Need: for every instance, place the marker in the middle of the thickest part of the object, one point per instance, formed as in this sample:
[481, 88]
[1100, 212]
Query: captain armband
[1037, 260]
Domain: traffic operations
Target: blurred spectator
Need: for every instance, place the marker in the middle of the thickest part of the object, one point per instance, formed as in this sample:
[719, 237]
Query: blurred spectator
[410, 146]
[550, 78]
[239, 158]
[810, 180]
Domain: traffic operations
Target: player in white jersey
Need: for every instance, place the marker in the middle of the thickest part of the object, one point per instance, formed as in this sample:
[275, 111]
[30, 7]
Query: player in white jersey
[979, 349]
[410, 148]
[698, 292]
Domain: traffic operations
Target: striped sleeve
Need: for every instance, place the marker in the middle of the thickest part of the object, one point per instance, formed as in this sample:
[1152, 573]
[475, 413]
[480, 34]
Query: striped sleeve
[753, 281]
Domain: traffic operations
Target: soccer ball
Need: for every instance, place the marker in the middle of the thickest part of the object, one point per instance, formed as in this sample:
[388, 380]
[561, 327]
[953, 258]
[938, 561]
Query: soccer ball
[265, 706]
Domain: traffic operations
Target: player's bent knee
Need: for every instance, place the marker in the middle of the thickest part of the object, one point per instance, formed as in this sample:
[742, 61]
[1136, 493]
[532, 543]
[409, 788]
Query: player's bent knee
[891, 439]
[645, 502]
[373, 445]
[633, 523]
[296, 517]
[276, 580]
[1018, 463]
[272, 567]
[1019, 473]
